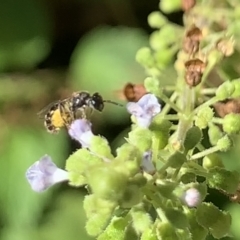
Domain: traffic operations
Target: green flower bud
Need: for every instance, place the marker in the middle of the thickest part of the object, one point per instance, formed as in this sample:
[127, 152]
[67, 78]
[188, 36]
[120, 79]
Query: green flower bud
[157, 42]
[141, 137]
[231, 123]
[101, 147]
[128, 151]
[211, 161]
[138, 180]
[156, 19]
[141, 219]
[193, 137]
[145, 58]
[225, 90]
[236, 84]
[213, 219]
[198, 232]
[160, 129]
[176, 160]
[163, 57]
[165, 230]
[224, 143]
[152, 85]
[149, 234]
[170, 6]
[204, 116]
[223, 179]
[177, 218]
[214, 133]
[106, 182]
[115, 230]
[78, 163]
[131, 196]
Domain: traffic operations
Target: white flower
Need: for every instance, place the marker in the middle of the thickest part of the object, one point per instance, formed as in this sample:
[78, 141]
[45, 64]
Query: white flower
[192, 197]
[145, 109]
[81, 131]
[44, 173]
[147, 164]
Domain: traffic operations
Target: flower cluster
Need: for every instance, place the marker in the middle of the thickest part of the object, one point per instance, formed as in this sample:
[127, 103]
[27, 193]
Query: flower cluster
[154, 187]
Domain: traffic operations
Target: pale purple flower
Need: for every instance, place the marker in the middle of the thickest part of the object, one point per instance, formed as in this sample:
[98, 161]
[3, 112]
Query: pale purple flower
[81, 131]
[147, 164]
[44, 174]
[192, 197]
[145, 109]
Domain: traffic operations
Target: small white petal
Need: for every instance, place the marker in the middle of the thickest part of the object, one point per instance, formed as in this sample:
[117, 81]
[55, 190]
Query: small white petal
[135, 109]
[192, 197]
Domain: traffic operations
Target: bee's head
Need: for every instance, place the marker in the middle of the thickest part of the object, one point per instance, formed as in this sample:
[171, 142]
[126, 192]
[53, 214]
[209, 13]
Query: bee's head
[96, 102]
[80, 99]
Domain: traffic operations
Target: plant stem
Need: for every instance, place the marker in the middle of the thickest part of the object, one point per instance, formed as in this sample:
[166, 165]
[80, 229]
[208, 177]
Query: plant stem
[205, 153]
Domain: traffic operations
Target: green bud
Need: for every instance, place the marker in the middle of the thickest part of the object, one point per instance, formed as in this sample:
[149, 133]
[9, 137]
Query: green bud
[193, 137]
[225, 90]
[115, 230]
[141, 138]
[100, 146]
[170, 6]
[160, 129]
[223, 179]
[216, 221]
[127, 151]
[214, 133]
[198, 232]
[231, 123]
[236, 84]
[211, 161]
[149, 234]
[177, 218]
[131, 196]
[106, 182]
[176, 160]
[145, 58]
[163, 57]
[138, 180]
[156, 19]
[152, 85]
[224, 143]
[204, 116]
[166, 230]
[78, 163]
[141, 219]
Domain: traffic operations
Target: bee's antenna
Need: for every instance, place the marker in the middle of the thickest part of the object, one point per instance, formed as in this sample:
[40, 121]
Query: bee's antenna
[115, 103]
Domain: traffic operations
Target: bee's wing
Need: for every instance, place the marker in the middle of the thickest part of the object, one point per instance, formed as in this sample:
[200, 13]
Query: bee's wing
[44, 110]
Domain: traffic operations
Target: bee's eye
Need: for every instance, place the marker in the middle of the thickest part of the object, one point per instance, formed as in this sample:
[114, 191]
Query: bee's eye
[97, 101]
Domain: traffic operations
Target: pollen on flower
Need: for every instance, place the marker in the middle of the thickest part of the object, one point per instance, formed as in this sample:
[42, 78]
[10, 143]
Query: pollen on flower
[145, 109]
[81, 131]
[44, 173]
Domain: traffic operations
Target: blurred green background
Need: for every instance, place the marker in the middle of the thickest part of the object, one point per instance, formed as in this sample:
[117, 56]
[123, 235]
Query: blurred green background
[49, 49]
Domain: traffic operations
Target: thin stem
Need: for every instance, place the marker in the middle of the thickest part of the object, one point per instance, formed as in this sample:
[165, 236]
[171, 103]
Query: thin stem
[171, 117]
[217, 120]
[206, 104]
[205, 153]
[170, 103]
[208, 91]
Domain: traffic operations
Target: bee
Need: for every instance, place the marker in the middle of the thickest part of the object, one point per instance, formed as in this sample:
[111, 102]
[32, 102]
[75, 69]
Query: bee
[63, 112]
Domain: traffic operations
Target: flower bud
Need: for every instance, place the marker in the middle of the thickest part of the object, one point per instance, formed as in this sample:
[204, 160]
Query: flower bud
[192, 197]
[223, 179]
[145, 57]
[140, 219]
[236, 84]
[106, 182]
[211, 161]
[226, 46]
[156, 19]
[193, 137]
[165, 230]
[170, 6]
[225, 90]
[204, 116]
[214, 133]
[224, 143]
[231, 123]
